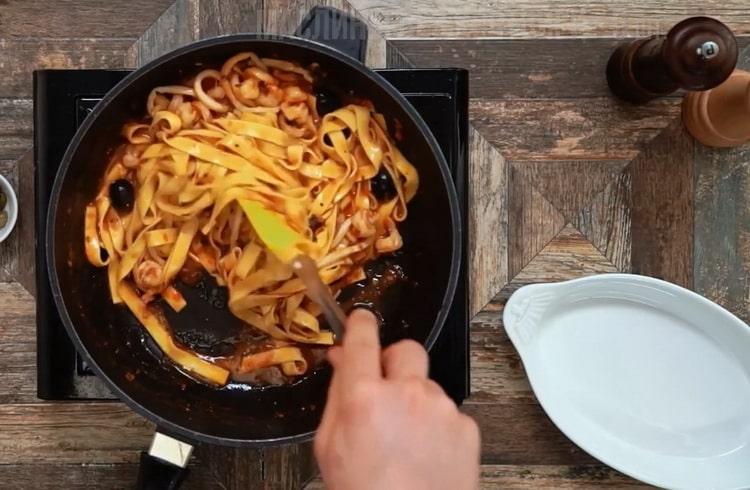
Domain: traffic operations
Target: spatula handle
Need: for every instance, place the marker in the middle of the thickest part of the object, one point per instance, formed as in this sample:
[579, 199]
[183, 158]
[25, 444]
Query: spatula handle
[307, 271]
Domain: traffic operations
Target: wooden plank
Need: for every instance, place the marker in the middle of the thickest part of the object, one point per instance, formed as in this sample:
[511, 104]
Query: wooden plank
[20, 57]
[520, 68]
[559, 477]
[289, 466]
[540, 18]
[662, 208]
[78, 18]
[15, 128]
[25, 231]
[722, 227]
[219, 17]
[569, 255]
[517, 431]
[496, 370]
[396, 58]
[42, 475]
[606, 222]
[189, 20]
[569, 185]
[9, 247]
[226, 467]
[186, 21]
[17, 345]
[284, 16]
[532, 222]
[176, 27]
[17, 251]
[543, 476]
[488, 221]
[16, 317]
[71, 433]
[573, 129]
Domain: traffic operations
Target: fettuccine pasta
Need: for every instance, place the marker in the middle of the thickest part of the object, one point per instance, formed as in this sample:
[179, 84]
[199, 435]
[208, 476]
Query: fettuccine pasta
[248, 134]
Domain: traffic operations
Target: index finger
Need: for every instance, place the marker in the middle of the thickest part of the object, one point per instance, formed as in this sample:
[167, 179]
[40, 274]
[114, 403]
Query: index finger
[359, 355]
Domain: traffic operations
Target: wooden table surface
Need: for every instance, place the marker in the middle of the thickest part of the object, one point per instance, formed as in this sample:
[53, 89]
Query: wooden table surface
[566, 182]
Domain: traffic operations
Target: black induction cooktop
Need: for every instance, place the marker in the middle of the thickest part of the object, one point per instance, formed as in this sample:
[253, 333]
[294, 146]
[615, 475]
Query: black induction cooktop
[63, 99]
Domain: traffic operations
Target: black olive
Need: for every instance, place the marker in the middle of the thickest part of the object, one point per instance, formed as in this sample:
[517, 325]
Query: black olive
[314, 223]
[382, 185]
[122, 195]
[326, 101]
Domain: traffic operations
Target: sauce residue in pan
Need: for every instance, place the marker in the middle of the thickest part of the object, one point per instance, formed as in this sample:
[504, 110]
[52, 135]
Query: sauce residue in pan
[207, 327]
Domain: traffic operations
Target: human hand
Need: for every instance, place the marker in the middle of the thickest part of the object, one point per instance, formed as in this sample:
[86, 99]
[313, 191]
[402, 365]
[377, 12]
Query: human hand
[386, 425]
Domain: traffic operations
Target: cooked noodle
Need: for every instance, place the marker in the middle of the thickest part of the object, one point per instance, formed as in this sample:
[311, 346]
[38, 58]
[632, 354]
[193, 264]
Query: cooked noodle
[249, 132]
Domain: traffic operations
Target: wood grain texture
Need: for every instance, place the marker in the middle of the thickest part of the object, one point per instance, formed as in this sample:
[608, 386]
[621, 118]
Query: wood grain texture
[496, 370]
[569, 255]
[532, 222]
[662, 208]
[186, 21]
[25, 231]
[219, 17]
[226, 468]
[71, 433]
[74, 476]
[517, 431]
[43, 475]
[17, 251]
[585, 476]
[573, 129]
[540, 18]
[569, 185]
[488, 221]
[189, 20]
[286, 15]
[121, 476]
[289, 466]
[78, 18]
[722, 227]
[520, 68]
[20, 57]
[17, 345]
[15, 127]
[176, 27]
[9, 247]
[395, 58]
[605, 222]
[522, 477]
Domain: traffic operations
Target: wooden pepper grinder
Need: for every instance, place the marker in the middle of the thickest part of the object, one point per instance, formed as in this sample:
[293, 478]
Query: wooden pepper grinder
[697, 54]
[720, 116]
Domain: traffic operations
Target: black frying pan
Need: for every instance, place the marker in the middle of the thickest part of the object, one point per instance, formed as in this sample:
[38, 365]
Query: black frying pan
[112, 341]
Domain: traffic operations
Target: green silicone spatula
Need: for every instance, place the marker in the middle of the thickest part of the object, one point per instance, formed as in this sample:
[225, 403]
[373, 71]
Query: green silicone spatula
[288, 245]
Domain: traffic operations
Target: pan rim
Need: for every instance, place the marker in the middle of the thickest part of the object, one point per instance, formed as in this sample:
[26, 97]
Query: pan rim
[163, 424]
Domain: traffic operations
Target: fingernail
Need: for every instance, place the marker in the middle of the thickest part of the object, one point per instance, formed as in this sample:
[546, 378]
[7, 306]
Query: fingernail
[362, 315]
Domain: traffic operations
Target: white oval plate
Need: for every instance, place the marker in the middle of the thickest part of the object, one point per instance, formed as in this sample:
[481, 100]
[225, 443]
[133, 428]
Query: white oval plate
[648, 377]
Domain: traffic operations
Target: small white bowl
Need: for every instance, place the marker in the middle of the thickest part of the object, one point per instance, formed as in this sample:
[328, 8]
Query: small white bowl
[11, 207]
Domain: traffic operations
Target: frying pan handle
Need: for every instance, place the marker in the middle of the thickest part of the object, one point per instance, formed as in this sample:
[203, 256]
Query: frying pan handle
[163, 467]
[336, 29]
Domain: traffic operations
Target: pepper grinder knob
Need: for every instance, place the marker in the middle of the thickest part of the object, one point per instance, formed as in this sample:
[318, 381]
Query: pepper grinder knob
[698, 53]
